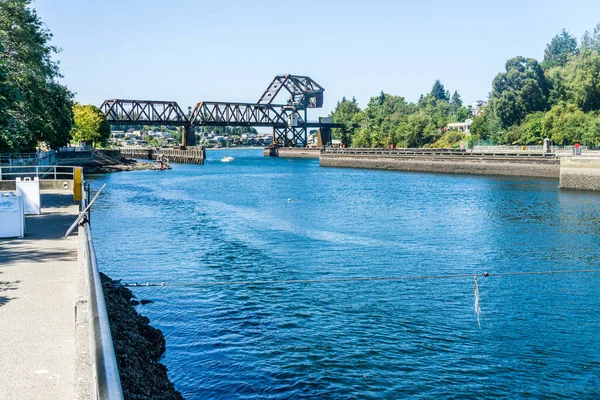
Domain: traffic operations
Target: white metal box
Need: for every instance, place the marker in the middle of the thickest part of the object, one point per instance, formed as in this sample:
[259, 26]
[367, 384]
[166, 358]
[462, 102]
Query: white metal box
[30, 190]
[12, 218]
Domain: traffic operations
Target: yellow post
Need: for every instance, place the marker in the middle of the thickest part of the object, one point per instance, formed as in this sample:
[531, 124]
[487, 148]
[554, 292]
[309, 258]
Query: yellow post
[77, 186]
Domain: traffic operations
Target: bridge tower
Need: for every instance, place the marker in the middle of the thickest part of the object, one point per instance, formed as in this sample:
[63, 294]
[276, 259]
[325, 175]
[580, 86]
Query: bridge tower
[304, 93]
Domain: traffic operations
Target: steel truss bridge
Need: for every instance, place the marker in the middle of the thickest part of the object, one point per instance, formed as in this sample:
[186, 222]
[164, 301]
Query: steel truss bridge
[288, 120]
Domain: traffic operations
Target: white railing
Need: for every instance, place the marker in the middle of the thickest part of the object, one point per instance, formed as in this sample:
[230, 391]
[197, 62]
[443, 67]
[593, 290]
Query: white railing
[106, 378]
[526, 148]
[25, 159]
[107, 382]
[52, 172]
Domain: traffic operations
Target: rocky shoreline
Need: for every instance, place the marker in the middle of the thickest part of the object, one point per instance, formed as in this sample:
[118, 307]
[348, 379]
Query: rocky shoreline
[138, 347]
[123, 165]
[103, 163]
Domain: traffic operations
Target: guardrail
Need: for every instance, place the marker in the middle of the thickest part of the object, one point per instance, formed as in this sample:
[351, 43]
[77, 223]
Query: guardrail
[425, 152]
[24, 159]
[381, 151]
[53, 172]
[106, 379]
[299, 148]
[526, 148]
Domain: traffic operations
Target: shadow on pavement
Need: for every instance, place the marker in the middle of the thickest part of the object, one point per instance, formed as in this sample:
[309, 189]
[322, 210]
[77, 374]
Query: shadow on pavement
[56, 200]
[6, 286]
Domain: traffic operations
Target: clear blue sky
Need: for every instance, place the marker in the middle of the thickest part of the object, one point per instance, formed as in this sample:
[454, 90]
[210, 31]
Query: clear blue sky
[190, 50]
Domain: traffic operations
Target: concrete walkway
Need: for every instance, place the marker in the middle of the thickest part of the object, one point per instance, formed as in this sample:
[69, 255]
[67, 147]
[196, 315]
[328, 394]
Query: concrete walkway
[38, 290]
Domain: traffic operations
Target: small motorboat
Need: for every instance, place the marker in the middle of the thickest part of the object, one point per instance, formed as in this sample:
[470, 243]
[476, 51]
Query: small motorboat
[227, 159]
[161, 163]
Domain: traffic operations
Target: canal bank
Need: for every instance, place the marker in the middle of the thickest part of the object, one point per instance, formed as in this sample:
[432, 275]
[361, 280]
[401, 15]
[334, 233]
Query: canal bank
[55, 336]
[573, 172]
[471, 164]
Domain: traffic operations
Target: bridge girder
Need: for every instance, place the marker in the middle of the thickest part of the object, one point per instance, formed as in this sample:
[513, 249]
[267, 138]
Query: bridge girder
[208, 113]
[143, 112]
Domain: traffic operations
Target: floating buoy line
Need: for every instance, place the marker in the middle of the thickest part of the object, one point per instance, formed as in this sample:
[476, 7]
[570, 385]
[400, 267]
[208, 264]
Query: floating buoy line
[363, 279]
[353, 279]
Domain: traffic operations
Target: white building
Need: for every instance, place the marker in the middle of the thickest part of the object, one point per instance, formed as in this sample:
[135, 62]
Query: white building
[463, 127]
[476, 107]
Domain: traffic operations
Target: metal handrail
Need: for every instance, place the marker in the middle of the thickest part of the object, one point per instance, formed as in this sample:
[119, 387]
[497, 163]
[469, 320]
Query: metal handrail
[525, 148]
[455, 153]
[107, 382]
[22, 158]
[53, 172]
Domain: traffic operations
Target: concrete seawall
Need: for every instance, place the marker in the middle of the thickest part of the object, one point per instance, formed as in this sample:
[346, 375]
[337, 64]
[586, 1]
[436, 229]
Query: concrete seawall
[291, 152]
[546, 167]
[580, 173]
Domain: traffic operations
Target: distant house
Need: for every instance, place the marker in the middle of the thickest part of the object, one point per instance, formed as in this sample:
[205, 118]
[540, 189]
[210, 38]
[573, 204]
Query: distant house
[476, 108]
[463, 127]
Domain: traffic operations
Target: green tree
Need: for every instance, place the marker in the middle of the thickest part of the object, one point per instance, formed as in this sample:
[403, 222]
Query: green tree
[461, 114]
[41, 110]
[520, 90]
[533, 129]
[362, 139]
[345, 113]
[90, 125]
[560, 48]
[565, 124]
[582, 84]
[439, 92]
[591, 41]
[416, 130]
[487, 126]
[456, 102]
[381, 116]
[8, 95]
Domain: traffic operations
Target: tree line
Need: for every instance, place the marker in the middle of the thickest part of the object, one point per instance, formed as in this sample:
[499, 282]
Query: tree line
[558, 98]
[35, 107]
[390, 120]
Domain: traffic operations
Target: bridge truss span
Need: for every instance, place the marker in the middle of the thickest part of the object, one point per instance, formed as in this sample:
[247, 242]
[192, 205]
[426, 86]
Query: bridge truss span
[208, 113]
[143, 112]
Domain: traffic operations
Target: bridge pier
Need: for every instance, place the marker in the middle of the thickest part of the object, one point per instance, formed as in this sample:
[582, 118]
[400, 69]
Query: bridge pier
[324, 137]
[188, 136]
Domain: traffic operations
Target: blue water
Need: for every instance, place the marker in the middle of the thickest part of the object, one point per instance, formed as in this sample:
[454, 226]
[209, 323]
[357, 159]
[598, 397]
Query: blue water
[260, 218]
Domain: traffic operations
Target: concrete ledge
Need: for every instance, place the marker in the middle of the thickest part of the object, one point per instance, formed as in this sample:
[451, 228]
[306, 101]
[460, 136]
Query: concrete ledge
[45, 184]
[289, 152]
[299, 153]
[580, 173]
[485, 166]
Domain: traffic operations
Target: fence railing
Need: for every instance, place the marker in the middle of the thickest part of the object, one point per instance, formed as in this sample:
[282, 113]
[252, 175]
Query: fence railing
[433, 152]
[52, 172]
[106, 379]
[26, 159]
[526, 148]
[349, 150]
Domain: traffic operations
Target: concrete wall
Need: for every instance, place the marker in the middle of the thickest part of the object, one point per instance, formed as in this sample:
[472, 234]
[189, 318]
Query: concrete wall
[581, 173]
[291, 152]
[508, 166]
[44, 185]
[299, 153]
